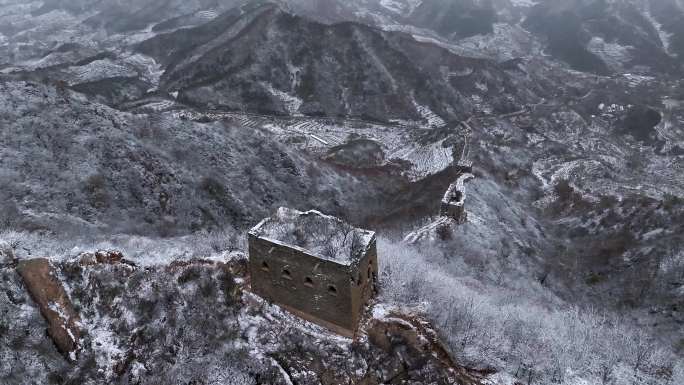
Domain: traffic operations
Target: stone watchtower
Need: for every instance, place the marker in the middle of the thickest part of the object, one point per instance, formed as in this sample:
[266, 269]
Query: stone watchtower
[314, 265]
[452, 205]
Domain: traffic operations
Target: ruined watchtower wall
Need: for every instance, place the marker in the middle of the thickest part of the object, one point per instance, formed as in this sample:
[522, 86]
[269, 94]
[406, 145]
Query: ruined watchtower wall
[453, 202]
[327, 277]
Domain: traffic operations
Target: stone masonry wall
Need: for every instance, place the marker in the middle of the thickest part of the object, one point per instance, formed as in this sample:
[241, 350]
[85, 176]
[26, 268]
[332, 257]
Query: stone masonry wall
[302, 283]
[366, 280]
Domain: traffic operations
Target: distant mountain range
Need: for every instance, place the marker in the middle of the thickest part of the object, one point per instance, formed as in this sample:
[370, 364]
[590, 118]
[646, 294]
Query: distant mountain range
[299, 66]
[603, 37]
[597, 36]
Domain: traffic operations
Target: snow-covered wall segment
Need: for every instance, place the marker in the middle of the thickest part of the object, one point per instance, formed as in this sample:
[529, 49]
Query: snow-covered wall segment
[453, 203]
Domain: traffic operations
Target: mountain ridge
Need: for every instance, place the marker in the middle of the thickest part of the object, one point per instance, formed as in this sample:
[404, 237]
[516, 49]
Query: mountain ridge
[343, 69]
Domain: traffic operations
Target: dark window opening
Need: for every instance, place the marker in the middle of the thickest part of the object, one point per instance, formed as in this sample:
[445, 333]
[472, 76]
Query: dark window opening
[286, 274]
[332, 290]
[264, 266]
[308, 282]
[456, 197]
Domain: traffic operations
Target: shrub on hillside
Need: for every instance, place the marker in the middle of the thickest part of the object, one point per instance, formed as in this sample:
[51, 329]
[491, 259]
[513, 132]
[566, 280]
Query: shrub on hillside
[540, 342]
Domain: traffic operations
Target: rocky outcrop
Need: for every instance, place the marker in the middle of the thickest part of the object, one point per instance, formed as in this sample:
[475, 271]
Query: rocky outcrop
[190, 320]
[54, 304]
[392, 347]
[101, 257]
[417, 346]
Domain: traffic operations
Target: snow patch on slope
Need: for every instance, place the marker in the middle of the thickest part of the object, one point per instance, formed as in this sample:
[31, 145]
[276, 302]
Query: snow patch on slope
[98, 70]
[432, 119]
[208, 14]
[613, 54]
[151, 71]
[426, 160]
[392, 5]
[291, 103]
[665, 37]
[524, 3]
[506, 42]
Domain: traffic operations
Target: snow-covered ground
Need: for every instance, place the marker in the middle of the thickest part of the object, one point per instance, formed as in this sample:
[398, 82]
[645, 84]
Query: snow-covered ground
[397, 140]
[150, 70]
[665, 37]
[208, 14]
[98, 70]
[291, 103]
[432, 119]
[613, 54]
[505, 43]
[393, 5]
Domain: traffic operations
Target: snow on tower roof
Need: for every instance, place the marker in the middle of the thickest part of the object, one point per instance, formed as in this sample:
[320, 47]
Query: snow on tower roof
[323, 236]
[456, 195]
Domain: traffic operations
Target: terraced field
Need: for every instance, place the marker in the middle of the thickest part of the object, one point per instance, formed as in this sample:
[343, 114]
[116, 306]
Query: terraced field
[318, 135]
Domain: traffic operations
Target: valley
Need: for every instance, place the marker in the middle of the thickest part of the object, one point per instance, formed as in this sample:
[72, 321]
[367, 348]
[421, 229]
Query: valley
[165, 130]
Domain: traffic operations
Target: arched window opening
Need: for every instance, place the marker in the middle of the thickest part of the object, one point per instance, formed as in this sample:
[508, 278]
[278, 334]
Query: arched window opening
[264, 266]
[332, 290]
[286, 274]
[308, 282]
